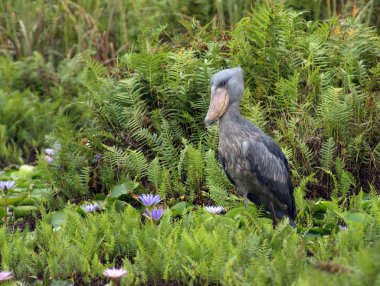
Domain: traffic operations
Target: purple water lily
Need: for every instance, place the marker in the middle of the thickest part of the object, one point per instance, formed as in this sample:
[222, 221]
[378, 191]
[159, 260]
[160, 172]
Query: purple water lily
[150, 200]
[91, 207]
[214, 209]
[155, 214]
[6, 275]
[50, 151]
[7, 185]
[49, 159]
[115, 273]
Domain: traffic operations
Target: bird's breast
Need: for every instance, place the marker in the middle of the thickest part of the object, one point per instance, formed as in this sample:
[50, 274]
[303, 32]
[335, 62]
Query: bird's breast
[236, 164]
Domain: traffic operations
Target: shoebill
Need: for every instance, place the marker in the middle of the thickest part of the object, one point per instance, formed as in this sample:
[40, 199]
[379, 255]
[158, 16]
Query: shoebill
[253, 162]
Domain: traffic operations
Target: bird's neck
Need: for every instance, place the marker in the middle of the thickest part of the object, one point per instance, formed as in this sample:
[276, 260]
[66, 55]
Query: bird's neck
[231, 115]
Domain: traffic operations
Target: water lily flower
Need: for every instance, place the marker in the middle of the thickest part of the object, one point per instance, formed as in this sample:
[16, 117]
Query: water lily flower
[115, 273]
[7, 185]
[50, 151]
[49, 159]
[150, 200]
[91, 207]
[155, 214]
[214, 209]
[6, 275]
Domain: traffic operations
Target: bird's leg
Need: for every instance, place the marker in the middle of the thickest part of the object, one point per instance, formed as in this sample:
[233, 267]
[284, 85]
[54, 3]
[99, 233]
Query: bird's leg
[246, 201]
[274, 218]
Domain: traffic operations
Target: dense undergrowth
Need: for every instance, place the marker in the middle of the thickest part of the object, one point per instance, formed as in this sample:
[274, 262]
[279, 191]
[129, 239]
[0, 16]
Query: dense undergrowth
[195, 248]
[133, 123]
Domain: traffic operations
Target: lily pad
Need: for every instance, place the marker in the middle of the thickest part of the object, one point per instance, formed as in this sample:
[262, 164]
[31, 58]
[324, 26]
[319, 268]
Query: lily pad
[240, 211]
[354, 217]
[123, 189]
[228, 221]
[26, 171]
[110, 203]
[14, 199]
[180, 208]
[316, 232]
[41, 193]
[27, 202]
[22, 211]
[99, 197]
[57, 219]
[322, 206]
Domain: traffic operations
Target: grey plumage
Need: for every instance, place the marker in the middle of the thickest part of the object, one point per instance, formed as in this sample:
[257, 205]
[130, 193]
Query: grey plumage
[253, 162]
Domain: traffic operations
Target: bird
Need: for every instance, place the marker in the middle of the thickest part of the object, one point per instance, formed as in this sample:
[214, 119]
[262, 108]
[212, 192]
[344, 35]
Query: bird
[252, 160]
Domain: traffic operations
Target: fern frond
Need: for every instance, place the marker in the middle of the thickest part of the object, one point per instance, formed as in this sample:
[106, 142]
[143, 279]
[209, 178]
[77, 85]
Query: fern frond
[327, 153]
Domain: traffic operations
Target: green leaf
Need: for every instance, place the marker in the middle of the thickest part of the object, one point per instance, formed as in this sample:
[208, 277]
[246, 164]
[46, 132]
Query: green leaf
[26, 171]
[123, 189]
[57, 219]
[13, 199]
[228, 221]
[354, 217]
[2, 213]
[99, 197]
[22, 211]
[111, 203]
[27, 202]
[180, 208]
[239, 211]
[41, 193]
[322, 206]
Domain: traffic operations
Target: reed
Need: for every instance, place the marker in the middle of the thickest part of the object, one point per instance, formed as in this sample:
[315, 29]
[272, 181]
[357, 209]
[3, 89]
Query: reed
[61, 29]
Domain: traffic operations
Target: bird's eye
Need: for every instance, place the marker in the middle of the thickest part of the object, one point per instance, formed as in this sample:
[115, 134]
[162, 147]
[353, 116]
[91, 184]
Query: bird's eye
[222, 84]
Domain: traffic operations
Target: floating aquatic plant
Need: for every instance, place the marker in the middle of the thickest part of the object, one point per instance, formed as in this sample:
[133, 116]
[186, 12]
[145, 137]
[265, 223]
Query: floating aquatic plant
[214, 209]
[90, 207]
[154, 214]
[5, 186]
[50, 151]
[6, 275]
[149, 200]
[49, 159]
[115, 274]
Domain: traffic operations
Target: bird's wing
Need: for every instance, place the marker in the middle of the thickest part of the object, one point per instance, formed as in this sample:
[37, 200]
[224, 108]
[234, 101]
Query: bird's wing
[267, 162]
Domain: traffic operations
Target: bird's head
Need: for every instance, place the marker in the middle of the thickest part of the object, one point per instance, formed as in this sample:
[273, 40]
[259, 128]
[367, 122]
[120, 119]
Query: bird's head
[227, 86]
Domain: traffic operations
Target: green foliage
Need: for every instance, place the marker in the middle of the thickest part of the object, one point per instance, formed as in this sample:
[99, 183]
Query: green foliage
[145, 124]
[61, 30]
[34, 99]
[199, 248]
[315, 95]
[137, 127]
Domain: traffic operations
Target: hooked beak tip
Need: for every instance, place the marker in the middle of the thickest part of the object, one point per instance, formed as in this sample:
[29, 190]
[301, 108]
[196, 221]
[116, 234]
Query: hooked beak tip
[208, 122]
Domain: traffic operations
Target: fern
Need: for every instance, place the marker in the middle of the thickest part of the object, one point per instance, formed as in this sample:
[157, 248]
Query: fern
[335, 112]
[306, 153]
[194, 167]
[154, 172]
[136, 164]
[216, 180]
[327, 153]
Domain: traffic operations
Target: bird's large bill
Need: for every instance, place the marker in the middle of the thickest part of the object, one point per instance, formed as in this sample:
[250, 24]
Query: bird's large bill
[218, 105]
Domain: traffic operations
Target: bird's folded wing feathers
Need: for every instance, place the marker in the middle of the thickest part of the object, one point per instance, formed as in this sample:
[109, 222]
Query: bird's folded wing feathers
[270, 170]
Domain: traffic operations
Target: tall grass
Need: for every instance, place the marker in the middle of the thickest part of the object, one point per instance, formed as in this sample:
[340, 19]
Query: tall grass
[60, 29]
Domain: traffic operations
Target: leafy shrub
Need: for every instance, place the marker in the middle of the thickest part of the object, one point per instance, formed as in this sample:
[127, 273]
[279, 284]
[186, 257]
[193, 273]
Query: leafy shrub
[35, 98]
